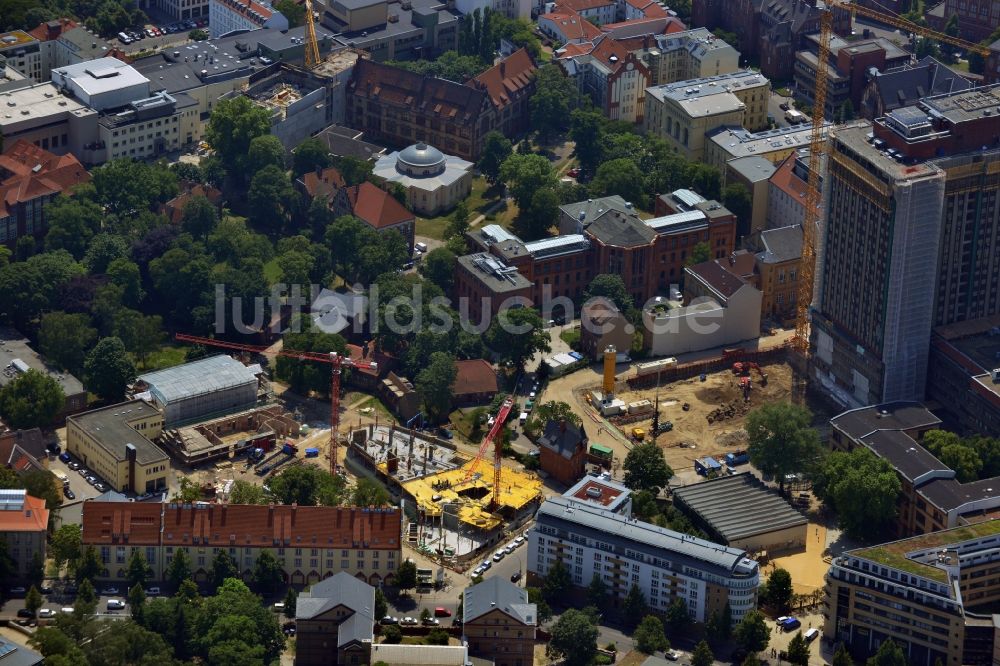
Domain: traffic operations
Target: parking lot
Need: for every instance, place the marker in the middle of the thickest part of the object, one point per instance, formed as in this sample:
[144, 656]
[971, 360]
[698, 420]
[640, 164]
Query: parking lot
[154, 36]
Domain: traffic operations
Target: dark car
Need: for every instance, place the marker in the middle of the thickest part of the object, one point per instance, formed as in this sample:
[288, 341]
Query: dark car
[445, 433]
[516, 576]
[70, 495]
[53, 448]
[24, 612]
[65, 457]
[784, 106]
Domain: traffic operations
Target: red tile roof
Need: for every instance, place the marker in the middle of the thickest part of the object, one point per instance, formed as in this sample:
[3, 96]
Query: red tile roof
[474, 376]
[786, 181]
[50, 30]
[421, 94]
[220, 525]
[174, 209]
[30, 172]
[325, 182]
[572, 25]
[649, 8]
[506, 79]
[610, 52]
[33, 517]
[583, 5]
[376, 206]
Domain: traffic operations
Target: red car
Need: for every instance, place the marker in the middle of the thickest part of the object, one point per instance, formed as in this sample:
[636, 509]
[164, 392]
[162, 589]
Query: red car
[442, 612]
[573, 173]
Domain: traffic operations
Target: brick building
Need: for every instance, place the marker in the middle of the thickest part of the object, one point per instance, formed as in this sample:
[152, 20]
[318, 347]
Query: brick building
[24, 522]
[311, 543]
[509, 84]
[334, 622]
[601, 326]
[563, 451]
[475, 383]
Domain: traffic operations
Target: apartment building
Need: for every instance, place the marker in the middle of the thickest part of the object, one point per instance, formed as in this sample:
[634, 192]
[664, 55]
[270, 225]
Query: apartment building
[226, 16]
[311, 543]
[623, 551]
[778, 256]
[498, 623]
[337, 612]
[931, 595]
[24, 524]
[685, 55]
[683, 113]
[786, 197]
[116, 442]
[913, 189]
[24, 53]
[614, 78]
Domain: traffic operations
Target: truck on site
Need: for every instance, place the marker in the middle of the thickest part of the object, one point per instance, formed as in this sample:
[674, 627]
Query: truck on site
[312, 453]
[737, 458]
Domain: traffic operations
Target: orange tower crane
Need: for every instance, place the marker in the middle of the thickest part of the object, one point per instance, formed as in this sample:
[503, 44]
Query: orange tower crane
[817, 145]
[337, 362]
[312, 44]
[499, 421]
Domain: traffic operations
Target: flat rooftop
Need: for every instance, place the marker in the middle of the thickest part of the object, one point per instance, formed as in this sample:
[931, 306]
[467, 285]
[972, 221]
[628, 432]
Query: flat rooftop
[493, 273]
[109, 426]
[15, 38]
[102, 75]
[601, 492]
[709, 85]
[910, 555]
[740, 142]
[855, 139]
[42, 101]
[739, 506]
[15, 347]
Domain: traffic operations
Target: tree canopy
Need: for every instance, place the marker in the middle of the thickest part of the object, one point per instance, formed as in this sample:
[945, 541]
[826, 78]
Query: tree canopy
[434, 383]
[574, 638]
[863, 490]
[646, 468]
[31, 400]
[781, 440]
[516, 335]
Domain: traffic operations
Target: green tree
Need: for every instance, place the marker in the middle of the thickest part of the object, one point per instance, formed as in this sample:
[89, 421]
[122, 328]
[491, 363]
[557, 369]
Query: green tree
[30, 287]
[198, 35]
[310, 155]
[699, 253]
[265, 150]
[223, 567]
[841, 657]
[88, 568]
[291, 600]
[554, 99]
[64, 545]
[200, 217]
[781, 440]
[65, 339]
[294, 12]
[31, 400]
[964, 460]
[267, 573]
[646, 468]
[354, 170]
[736, 197]
[86, 598]
[245, 492]
[889, 654]
[620, 176]
[536, 597]
[108, 370]
[125, 274]
[458, 222]
[611, 287]
[138, 571]
[136, 602]
[36, 569]
[704, 179]
[71, 222]
[586, 131]
[438, 637]
[779, 589]
[702, 655]
[307, 485]
[847, 112]
[392, 634]
[434, 384]
[271, 198]
[179, 569]
[798, 650]
[536, 220]
[751, 633]
[406, 576]
[127, 188]
[574, 638]
[496, 149]
[370, 493]
[597, 592]
[557, 582]
[234, 123]
[33, 600]
[381, 606]
[649, 636]
[439, 267]
[140, 334]
[104, 249]
[635, 606]
[678, 615]
[516, 335]
[863, 490]
[525, 175]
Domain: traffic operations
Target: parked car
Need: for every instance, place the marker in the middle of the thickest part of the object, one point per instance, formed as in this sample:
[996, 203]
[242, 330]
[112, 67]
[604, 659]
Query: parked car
[116, 604]
[672, 655]
[784, 106]
[389, 619]
[152, 591]
[65, 457]
[83, 471]
[46, 612]
[91, 479]
[573, 173]
[791, 624]
[516, 576]
[279, 607]
[499, 555]
[17, 590]
[431, 621]
[410, 621]
[812, 634]
[108, 591]
[70, 495]
[100, 487]
[441, 611]
[45, 589]
[24, 612]
[486, 565]
[73, 465]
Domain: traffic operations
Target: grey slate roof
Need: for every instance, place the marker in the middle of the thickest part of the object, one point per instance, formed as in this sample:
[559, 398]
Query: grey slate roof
[739, 506]
[498, 593]
[910, 459]
[907, 85]
[593, 207]
[781, 244]
[341, 589]
[627, 532]
[856, 423]
[562, 441]
[620, 229]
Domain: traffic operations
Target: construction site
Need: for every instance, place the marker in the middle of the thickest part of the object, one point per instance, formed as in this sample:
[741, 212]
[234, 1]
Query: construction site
[453, 501]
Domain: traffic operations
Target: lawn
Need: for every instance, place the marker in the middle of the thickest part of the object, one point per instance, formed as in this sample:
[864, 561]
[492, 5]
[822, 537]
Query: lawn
[272, 272]
[167, 356]
[379, 408]
[480, 198]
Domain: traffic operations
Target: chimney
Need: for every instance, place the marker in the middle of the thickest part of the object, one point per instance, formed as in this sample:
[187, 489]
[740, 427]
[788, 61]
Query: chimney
[503, 69]
[562, 425]
[295, 505]
[270, 513]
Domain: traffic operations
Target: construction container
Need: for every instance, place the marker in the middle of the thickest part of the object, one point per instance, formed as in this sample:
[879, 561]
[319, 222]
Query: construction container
[599, 451]
[312, 453]
[638, 433]
[640, 407]
[653, 367]
[706, 466]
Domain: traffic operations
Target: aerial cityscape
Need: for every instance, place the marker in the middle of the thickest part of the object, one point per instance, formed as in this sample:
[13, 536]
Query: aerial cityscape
[499, 332]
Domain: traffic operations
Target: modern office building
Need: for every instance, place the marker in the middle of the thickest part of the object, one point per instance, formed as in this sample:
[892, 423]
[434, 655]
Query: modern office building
[311, 543]
[931, 595]
[116, 442]
[683, 113]
[912, 225]
[623, 551]
[17, 357]
[394, 30]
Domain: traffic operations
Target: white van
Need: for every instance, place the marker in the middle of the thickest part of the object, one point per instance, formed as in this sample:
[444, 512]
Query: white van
[116, 604]
[523, 418]
[812, 634]
[422, 247]
[795, 117]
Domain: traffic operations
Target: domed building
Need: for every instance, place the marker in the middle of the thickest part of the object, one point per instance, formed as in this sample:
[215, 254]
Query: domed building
[434, 182]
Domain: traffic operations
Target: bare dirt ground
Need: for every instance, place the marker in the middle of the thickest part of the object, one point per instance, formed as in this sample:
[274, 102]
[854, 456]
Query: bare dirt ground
[692, 436]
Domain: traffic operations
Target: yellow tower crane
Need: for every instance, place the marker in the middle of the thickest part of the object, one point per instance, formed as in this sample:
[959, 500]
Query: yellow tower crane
[312, 44]
[817, 145]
